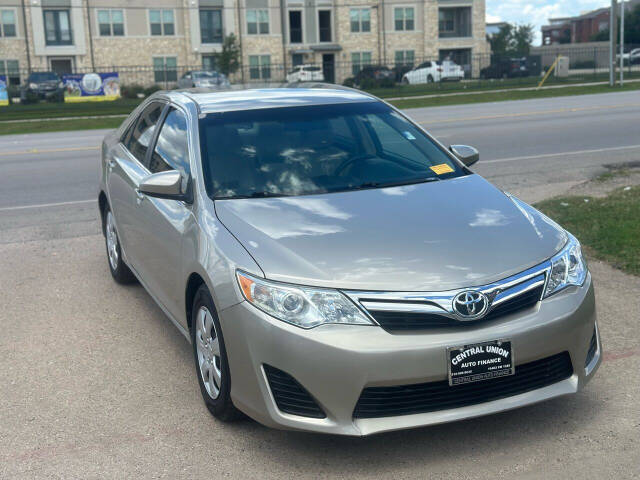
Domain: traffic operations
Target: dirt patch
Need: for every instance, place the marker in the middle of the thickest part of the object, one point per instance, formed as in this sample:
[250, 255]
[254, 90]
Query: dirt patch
[617, 176]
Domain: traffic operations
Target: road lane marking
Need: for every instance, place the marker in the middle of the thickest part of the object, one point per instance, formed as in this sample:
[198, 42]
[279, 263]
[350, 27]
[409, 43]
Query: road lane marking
[560, 154]
[46, 205]
[527, 114]
[38, 151]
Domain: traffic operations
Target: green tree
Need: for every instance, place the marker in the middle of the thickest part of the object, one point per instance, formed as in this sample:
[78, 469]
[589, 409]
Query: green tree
[512, 39]
[631, 28]
[228, 60]
[522, 38]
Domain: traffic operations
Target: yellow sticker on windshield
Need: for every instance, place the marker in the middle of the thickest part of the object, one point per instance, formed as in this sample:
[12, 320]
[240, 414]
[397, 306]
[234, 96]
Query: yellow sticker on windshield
[442, 169]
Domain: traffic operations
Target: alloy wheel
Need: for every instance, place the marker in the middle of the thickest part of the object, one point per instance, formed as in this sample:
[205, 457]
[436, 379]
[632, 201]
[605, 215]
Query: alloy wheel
[208, 351]
[112, 241]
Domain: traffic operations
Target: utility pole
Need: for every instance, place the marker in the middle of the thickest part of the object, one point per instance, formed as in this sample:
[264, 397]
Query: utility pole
[612, 43]
[622, 43]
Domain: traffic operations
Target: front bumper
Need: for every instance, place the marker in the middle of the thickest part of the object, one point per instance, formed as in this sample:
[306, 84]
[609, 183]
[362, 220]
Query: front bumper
[334, 363]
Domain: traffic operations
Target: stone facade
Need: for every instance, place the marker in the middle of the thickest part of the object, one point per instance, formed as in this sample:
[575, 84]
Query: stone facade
[133, 54]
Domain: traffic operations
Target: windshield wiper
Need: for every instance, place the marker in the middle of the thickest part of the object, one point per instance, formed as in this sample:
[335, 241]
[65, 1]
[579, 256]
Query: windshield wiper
[254, 195]
[396, 183]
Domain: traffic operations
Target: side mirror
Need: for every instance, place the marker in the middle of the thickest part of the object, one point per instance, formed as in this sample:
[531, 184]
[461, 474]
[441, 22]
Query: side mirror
[467, 155]
[166, 185]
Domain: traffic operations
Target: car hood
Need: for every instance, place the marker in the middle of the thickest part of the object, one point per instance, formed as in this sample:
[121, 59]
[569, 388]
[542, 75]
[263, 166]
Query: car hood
[454, 233]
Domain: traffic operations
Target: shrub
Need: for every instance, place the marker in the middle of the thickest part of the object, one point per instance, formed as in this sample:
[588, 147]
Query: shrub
[13, 91]
[151, 90]
[387, 83]
[131, 91]
[349, 82]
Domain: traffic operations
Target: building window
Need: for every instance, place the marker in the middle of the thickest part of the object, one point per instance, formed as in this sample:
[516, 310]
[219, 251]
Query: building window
[295, 26]
[454, 22]
[11, 69]
[297, 59]
[162, 22]
[211, 26]
[359, 60]
[165, 69]
[324, 25]
[259, 67]
[209, 62]
[405, 58]
[57, 28]
[257, 21]
[404, 18]
[111, 23]
[7, 23]
[360, 19]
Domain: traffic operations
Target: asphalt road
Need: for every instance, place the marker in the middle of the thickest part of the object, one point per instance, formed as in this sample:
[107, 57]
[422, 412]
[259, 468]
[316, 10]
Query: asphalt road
[97, 383]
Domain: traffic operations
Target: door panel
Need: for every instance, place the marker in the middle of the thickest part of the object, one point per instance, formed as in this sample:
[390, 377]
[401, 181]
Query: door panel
[161, 223]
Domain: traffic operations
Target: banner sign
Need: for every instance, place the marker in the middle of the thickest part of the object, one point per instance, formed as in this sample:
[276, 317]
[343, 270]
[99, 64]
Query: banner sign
[4, 96]
[91, 87]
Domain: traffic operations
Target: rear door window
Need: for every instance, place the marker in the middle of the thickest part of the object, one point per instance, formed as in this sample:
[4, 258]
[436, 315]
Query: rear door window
[142, 133]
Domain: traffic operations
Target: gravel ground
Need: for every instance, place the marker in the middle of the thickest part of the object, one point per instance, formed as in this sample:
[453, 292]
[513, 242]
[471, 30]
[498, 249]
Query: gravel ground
[97, 383]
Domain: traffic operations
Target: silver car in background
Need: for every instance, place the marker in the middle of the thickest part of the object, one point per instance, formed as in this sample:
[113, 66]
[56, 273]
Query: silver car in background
[335, 268]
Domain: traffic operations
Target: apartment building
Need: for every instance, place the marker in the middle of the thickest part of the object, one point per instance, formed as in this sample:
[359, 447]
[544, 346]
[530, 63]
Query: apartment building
[169, 36]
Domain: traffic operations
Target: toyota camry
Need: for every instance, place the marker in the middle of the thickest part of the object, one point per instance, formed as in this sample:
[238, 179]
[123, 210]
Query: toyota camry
[335, 268]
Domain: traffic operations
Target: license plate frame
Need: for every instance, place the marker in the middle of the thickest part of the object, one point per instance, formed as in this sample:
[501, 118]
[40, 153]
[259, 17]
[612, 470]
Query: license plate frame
[480, 361]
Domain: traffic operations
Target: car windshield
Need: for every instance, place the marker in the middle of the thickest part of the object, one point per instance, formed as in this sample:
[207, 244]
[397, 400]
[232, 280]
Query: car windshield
[43, 77]
[316, 149]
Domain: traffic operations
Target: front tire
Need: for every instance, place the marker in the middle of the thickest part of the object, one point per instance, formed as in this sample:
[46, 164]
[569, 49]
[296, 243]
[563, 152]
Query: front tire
[119, 270]
[210, 355]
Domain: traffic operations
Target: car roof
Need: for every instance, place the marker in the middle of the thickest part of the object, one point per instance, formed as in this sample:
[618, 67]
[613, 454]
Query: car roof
[233, 100]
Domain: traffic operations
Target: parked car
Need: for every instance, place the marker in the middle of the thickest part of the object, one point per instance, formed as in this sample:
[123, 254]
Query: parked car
[502, 67]
[632, 57]
[373, 73]
[203, 79]
[451, 71]
[42, 86]
[305, 73]
[335, 268]
[426, 72]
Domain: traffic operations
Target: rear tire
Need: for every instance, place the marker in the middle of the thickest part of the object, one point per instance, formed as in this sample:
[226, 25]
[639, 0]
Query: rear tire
[429, 79]
[210, 356]
[119, 270]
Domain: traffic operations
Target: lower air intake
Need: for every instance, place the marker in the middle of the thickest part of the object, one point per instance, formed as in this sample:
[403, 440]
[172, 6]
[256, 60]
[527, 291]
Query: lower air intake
[593, 348]
[429, 397]
[290, 396]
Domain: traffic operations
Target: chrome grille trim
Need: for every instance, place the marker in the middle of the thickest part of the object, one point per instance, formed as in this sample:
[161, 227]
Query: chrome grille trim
[441, 303]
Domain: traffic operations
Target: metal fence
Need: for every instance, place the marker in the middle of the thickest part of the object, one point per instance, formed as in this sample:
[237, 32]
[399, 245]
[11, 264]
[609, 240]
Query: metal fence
[584, 64]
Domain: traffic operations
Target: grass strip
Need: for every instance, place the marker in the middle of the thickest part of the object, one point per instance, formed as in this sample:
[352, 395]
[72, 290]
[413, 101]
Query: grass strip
[608, 228]
[59, 126]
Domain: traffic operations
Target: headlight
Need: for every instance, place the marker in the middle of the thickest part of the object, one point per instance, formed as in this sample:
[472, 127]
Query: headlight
[33, 86]
[304, 307]
[568, 267]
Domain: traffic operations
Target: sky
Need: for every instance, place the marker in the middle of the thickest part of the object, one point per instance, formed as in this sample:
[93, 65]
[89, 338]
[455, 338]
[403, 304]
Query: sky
[537, 12]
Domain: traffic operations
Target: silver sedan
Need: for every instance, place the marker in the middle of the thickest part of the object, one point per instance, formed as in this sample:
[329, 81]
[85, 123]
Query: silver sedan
[338, 270]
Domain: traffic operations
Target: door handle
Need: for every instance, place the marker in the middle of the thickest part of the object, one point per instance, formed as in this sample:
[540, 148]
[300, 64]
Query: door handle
[139, 196]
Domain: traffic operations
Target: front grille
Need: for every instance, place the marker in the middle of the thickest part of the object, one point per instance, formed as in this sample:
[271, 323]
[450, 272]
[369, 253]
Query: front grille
[400, 321]
[593, 347]
[290, 396]
[430, 397]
